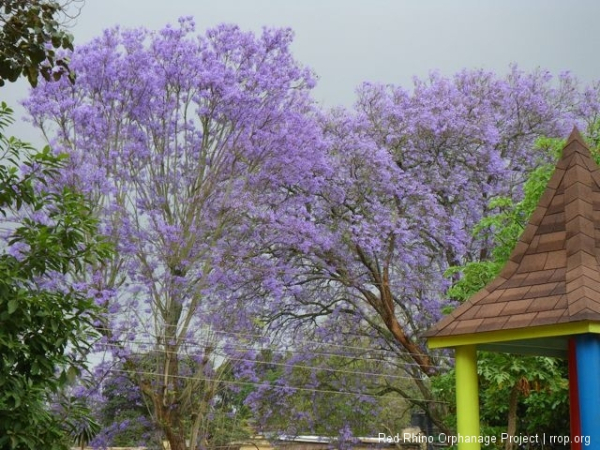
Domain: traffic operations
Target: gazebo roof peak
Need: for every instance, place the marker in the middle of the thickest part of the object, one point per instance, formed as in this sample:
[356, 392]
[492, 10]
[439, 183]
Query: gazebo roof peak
[552, 277]
[576, 136]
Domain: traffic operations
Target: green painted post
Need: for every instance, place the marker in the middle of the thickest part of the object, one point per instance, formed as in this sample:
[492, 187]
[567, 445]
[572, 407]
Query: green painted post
[467, 398]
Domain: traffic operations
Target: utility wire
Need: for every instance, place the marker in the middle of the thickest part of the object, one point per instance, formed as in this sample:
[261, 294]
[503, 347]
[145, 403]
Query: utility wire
[267, 385]
[243, 347]
[299, 366]
[272, 347]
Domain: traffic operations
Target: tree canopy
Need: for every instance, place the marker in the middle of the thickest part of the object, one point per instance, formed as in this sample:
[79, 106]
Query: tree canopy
[247, 220]
[360, 247]
[167, 132]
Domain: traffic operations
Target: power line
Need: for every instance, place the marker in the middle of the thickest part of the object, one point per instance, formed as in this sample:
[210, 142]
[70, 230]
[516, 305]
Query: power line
[295, 341]
[240, 346]
[264, 385]
[299, 366]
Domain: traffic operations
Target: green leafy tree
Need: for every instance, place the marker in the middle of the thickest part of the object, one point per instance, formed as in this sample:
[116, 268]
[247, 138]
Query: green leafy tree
[518, 395]
[514, 391]
[79, 420]
[31, 33]
[46, 323]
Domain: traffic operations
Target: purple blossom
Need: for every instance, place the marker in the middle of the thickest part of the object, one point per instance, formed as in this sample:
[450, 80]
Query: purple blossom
[244, 218]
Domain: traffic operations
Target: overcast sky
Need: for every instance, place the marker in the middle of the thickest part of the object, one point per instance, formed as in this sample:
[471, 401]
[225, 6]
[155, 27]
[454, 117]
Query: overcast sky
[347, 42]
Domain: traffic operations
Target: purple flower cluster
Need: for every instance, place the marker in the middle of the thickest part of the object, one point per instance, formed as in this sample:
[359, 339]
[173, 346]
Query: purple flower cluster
[245, 216]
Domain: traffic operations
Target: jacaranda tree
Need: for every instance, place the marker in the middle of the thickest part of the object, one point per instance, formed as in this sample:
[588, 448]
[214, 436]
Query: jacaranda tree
[358, 252]
[169, 133]
[241, 213]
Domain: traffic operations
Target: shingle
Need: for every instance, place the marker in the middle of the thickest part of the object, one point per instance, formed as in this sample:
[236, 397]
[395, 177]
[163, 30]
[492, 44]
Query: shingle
[581, 242]
[559, 274]
[548, 317]
[492, 297]
[585, 314]
[533, 263]
[519, 320]
[539, 277]
[470, 313]
[515, 307]
[492, 324]
[551, 223]
[560, 289]
[541, 304]
[584, 271]
[556, 260]
[577, 191]
[514, 293]
[583, 281]
[518, 252]
[556, 178]
[489, 310]
[498, 281]
[596, 217]
[577, 305]
[467, 326]
[581, 259]
[551, 241]
[542, 290]
[596, 179]
[537, 216]
[528, 234]
[578, 207]
[577, 174]
[580, 292]
[547, 197]
[516, 280]
[579, 224]
[557, 205]
[582, 160]
[508, 270]
[562, 302]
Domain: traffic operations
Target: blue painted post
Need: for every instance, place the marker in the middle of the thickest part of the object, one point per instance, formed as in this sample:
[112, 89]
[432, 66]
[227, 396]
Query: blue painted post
[574, 395]
[588, 381]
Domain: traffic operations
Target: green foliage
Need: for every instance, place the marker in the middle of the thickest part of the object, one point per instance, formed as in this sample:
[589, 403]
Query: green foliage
[30, 35]
[45, 327]
[443, 388]
[474, 276]
[543, 405]
[534, 377]
[547, 410]
[79, 421]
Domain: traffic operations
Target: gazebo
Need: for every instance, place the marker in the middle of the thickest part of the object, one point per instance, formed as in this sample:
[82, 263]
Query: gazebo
[546, 300]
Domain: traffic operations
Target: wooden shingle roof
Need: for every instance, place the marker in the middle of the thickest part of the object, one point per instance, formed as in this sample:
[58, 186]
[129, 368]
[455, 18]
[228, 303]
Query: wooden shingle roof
[553, 274]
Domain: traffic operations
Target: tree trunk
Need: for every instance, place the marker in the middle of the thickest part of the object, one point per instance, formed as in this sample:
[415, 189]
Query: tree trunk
[176, 441]
[513, 402]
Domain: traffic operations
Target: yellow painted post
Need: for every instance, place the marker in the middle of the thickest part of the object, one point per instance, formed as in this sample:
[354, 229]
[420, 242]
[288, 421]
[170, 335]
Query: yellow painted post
[467, 398]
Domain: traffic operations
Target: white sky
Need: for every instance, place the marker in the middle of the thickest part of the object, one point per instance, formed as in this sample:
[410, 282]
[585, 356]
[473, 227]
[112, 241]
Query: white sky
[347, 42]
